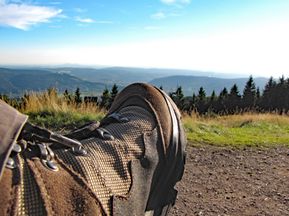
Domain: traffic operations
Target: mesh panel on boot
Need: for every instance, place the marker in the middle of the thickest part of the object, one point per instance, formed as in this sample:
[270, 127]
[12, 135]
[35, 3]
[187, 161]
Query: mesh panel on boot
[105, 168]
[30, 201]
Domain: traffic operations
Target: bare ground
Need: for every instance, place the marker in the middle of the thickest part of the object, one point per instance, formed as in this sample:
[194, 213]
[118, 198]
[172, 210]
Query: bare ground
[230, 181]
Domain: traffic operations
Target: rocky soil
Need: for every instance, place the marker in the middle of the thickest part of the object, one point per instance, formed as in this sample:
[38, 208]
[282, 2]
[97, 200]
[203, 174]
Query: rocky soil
[230, 181]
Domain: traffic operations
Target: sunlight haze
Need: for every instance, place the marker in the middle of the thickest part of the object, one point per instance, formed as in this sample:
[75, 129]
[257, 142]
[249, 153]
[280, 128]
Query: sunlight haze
[240, 36]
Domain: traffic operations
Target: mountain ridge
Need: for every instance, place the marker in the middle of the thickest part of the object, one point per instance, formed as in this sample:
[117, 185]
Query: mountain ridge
[191, 84]
[93, 81]
[17, 82]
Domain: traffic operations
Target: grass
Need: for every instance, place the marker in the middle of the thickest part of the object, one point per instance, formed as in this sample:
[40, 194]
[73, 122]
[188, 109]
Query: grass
[62, 121]
[50, 110]
[238, 130]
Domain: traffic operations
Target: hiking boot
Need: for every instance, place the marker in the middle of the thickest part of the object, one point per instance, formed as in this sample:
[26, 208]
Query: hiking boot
[126, 165]
[161, 163]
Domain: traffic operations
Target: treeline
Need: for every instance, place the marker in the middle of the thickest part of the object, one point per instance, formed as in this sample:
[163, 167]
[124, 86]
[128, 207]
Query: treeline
[104, 101]
[73, 98]
[274, 98]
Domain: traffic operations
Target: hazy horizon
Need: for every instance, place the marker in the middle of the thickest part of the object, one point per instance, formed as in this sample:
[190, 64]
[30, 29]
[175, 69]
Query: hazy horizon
[234, 37]
[166, 71]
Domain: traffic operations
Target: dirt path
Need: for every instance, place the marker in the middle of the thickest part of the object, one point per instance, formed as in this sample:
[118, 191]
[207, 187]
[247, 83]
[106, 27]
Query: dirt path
[227, 181]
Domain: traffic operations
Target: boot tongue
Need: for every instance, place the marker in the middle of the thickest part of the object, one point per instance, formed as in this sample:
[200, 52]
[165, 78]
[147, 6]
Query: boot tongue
[114, 118]
[11, 123]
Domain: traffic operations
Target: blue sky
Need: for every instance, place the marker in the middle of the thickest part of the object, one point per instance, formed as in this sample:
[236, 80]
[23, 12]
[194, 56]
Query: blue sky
[230, 36]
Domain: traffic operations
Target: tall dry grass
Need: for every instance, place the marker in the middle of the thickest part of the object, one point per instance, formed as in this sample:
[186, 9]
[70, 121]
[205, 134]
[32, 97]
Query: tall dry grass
[50, 101]
[236, 119]
[51, 110]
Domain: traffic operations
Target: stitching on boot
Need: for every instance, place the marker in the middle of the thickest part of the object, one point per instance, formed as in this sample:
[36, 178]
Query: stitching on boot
[148, 103]
[14, 193]
[80, 180]
[43, 191]
[72, 169]
[93, 164]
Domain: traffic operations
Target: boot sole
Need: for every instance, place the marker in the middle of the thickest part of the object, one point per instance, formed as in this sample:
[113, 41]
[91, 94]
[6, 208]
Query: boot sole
[164, 190]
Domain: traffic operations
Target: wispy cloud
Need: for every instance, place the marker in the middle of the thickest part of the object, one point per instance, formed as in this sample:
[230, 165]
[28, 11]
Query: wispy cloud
[171, 2]
[89, 20]
[23, 16]
[84, 20]
[80, 10]
[158, 15]
[104, 22]
[162, 15]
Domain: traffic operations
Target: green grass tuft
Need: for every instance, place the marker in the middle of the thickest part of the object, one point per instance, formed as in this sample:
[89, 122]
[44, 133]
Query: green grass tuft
[239, 130]
[62, 121]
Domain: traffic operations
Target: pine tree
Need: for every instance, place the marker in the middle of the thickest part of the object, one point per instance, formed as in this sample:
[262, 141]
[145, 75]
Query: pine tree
[258, 99]
[223, 94]
[234, 92]
[193, 103]
[234, 99]
[67, 96]
[268, 98]
[179, 93]
[213, 96]
[201, 101]
[178, 97]
[249, 94]
[202, 94]
[212, 102]
[221, 104]
[258, 94]
[281, 95]
[282, 80]
[105, 99]
[113, 93]
[77, 98]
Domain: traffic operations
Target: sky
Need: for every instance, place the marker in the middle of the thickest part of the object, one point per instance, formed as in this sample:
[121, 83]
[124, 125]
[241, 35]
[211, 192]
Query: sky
[227, 36]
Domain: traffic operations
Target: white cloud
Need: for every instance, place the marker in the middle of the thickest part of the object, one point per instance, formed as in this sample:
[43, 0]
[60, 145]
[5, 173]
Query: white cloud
[170, 2]
[158, 15]
[89, 20]
[84, 20]
[22, 16]
[161, 15]
[104, 22]
[80, 10]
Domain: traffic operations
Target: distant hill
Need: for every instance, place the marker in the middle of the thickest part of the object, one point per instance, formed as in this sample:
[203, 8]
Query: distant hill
[127, 75]
[16, 81]
[111, 75]
[192, 84]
